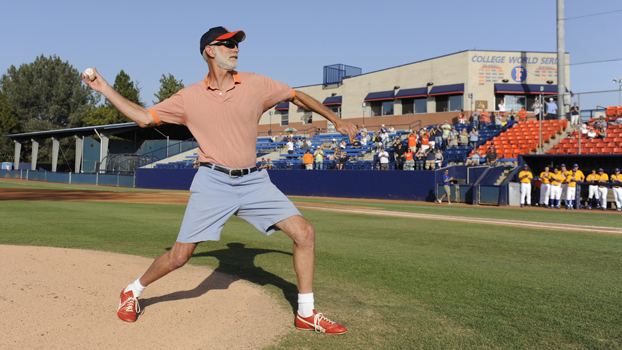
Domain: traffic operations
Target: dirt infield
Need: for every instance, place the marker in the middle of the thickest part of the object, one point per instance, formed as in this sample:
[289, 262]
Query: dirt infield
[55, 298]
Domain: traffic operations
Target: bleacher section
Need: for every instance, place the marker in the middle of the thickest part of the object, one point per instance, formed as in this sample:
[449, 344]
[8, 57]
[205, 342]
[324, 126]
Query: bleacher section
[612, 144]
[523, 138]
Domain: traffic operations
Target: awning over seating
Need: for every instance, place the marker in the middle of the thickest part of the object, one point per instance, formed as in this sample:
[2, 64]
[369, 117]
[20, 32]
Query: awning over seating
[410, 93]
[526, 89]
[380, 96]
[332, 101]
[283, 106]
[447, 89]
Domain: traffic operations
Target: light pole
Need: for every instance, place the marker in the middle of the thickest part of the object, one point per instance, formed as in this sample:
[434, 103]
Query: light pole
[364, 108]
[616, 81]
[471, 97]
[270, 122]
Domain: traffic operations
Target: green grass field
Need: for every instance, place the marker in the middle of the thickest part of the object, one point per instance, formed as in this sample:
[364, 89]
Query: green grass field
[395, 283]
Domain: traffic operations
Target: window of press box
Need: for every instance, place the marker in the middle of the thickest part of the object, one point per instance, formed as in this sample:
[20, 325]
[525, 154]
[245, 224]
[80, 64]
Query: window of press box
[414, 105]
[336, 110]
[379, 108]
[447, 103]
[284, 118]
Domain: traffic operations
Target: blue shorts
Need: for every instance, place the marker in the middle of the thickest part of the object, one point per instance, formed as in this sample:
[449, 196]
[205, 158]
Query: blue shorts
[215, 196]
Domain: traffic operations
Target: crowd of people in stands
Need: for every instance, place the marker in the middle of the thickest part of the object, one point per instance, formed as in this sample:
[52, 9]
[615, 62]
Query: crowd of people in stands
[561, 185]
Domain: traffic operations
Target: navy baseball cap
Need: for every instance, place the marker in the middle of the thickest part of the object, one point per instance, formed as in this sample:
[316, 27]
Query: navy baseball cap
[617, 169]
[576, 165]
[525, 165]
[601, 169]
[220, 33]
[564, 165]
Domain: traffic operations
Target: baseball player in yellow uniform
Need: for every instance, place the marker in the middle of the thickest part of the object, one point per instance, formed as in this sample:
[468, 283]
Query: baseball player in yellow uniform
[545, 187]
[556, 188]
[593, 189]
[525, 178]
[578, 176]
[565, 173]
[572, 180]
[603, 189]
[616, 178]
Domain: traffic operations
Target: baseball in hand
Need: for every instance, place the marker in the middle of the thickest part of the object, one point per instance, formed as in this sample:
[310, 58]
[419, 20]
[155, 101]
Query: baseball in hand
[89, 73]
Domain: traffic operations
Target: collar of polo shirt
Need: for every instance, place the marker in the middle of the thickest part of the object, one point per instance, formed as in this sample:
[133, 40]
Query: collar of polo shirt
[236, 79]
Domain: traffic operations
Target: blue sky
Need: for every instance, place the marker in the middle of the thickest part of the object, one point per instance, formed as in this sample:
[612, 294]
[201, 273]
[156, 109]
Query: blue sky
[292, 41]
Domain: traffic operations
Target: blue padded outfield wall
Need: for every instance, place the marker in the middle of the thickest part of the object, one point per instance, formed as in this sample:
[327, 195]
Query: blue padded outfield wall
[402, 185]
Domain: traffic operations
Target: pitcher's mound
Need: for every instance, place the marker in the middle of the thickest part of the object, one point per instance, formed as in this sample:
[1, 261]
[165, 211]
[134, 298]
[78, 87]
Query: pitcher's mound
[58, 298]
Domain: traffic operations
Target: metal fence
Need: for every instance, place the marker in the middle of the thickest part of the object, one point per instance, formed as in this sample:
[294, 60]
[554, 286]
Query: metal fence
[334, 74]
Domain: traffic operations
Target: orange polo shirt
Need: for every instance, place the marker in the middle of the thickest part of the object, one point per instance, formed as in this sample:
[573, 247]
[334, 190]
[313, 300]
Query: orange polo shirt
[412, 141]
[224, 123]
[522, 115]
[307, 158]
[483, 117]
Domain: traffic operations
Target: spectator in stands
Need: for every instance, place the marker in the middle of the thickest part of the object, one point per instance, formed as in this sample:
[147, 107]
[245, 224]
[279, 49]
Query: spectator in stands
[464, 137]
[267, 164]
[446, 130]
[409, 163]
[616, 179]
[391, 129]
[618, 121]
[447, 180]
[383, 129]
[425, 141]
[522, 115]
[501, 107]
[474, 138]
[602, 188]
[305, 145]
[334, 145]
[584, 129]
[436, 134]
[475, 120]
[356, 144]
[602, 133]
[475, 158]
[319, 158]
[491, 155]
[525, 178]
[600, 122]
[484, 119]
[364, 139]
[430, 160]
[453, 137]
[537, 109]
[309, 143]
[363, 129]
[290, 147]
[498, 120]
[384, 136]
[574, 115]
[551, 110]
[299, 143]
[591, 133]
[419, 159]
[438, 159]
[377, 141]
[383, 157]
[282, 138]
[343, 145]
[400, 157]
[511, 114]
[343, 159]
[307, 160]
[336, 155]
[412, 142]
[326, 144]
[462, 118]
[510, 120]
[196, 164]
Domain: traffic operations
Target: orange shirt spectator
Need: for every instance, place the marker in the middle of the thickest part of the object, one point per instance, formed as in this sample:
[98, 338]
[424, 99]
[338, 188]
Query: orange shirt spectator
[412, 141]
[408, 155]
[307, 160]
[425, 140]
[522, 115]
[483, 117]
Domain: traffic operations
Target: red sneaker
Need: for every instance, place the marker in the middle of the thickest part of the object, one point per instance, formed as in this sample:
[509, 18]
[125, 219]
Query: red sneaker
[128, 307]
[319, 323]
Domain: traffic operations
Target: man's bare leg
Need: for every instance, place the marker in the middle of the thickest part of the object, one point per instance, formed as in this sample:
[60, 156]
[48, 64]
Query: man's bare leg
[303, 235]
[167, 262]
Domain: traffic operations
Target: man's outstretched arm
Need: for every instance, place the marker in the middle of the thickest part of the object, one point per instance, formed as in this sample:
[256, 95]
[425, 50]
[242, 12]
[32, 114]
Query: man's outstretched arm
[136, 113]
[307, 102]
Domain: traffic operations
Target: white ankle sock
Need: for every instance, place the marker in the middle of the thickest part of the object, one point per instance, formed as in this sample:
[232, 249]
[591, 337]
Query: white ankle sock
[305, 304]
[136, 288]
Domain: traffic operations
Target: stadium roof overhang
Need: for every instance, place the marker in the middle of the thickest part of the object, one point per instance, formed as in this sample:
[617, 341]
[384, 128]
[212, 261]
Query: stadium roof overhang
[128, 131]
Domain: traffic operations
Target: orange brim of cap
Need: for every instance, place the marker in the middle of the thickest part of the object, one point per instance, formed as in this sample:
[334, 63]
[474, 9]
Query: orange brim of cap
[238, 36]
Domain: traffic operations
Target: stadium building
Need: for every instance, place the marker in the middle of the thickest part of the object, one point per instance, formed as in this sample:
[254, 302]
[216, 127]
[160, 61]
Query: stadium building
[431, 90]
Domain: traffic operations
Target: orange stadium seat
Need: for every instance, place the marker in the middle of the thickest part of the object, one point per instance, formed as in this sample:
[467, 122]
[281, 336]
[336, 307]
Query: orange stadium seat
[612, 111]
[617, 150]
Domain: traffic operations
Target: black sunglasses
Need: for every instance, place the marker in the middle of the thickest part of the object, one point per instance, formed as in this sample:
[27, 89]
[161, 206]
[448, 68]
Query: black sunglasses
[230, 44]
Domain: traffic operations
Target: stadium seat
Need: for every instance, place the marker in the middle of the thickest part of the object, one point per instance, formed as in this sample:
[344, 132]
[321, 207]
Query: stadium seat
[612, 111]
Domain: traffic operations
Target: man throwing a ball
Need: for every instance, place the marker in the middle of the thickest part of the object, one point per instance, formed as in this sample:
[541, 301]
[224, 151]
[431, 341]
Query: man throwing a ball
[227, 182]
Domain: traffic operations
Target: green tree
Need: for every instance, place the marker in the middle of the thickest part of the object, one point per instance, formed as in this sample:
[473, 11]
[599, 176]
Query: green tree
[9, 124]
[47, 94]
[107, 113]
[169, 86]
